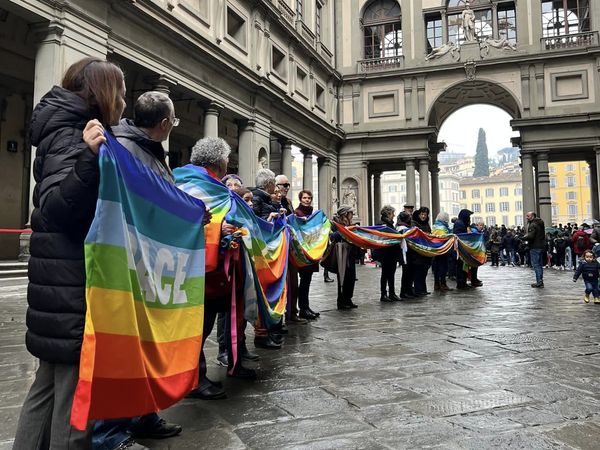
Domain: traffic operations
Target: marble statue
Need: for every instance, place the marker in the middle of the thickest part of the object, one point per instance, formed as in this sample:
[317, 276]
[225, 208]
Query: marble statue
[467, 18]
[263, 163]
[350, 198]
[335, 203]
[501, 44]
[442, 50]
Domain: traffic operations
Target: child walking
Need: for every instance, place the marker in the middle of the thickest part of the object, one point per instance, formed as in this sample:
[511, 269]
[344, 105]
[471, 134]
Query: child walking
[589, 269]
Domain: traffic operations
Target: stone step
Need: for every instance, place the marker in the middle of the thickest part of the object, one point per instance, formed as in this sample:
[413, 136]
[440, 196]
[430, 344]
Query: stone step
[13, 269]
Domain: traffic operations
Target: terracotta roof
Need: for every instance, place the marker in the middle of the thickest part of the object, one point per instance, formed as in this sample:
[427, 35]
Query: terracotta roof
[502, 178]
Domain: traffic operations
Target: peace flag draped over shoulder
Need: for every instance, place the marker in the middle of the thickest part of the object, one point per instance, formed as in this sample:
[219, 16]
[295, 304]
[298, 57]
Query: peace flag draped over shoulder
[309, 238]
[470, 246]
[144, 293]
[266, 243]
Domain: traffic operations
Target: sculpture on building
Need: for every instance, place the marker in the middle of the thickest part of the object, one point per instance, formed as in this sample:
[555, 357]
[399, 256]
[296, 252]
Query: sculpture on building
[501, 44]
[467, 18]
[350, 196]
[442, 50]
[335, 202]
[263, 162]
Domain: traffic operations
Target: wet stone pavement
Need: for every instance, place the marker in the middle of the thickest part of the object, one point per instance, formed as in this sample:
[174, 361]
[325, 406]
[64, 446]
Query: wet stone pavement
[501, 366]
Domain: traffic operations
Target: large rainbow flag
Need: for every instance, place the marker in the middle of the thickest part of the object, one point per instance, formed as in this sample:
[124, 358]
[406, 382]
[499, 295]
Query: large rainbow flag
[145, 293]
[309, 238]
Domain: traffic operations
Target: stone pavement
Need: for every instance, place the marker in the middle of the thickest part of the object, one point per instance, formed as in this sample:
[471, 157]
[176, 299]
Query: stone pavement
[502, 366]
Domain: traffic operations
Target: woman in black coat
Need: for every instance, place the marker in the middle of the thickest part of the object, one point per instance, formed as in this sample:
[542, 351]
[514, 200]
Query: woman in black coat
[389, 258]
[66, 174]
[420, 219]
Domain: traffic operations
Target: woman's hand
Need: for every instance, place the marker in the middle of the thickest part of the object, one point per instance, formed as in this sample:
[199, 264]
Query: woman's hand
[272, 216]
[227, 228]
[93, 135]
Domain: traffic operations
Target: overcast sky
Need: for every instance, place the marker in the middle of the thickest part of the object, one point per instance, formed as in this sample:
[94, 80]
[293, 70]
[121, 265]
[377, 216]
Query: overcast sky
[460, 130]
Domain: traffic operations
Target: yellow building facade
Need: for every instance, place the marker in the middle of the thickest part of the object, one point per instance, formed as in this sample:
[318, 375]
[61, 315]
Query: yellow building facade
[570, 192]
[494, 200]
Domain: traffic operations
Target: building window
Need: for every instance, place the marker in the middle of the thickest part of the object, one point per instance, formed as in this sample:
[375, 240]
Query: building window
[587, 179]
[463, 195]
[279, 62]
[236, 27]
[518, 205]
[571, 195]
[489, 192]
[301, 81]
[490, 207]
[382, 24]
[475, 193]
[476, 219]
[299, 9]
[555, 211]
[318, 18]
[503, 25]
[570, 181]
[504, 207]
[572, 210]
[393, 188]
[518, 190]
[433, 26]
[320, 96]
[519, 220]
[504, 192]
[505, 220]
[476, 207]
[552, 169]
[562, 17]
[552, 182]
[490, 221]
[570, 168]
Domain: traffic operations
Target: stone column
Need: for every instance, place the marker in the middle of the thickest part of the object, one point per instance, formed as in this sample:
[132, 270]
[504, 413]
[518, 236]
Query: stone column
[161, 83]
[411, 191]
[594, 189]
[307, 173]
[287, 159]
[370, 207]
[211, 119]
[527, 183]
[544, 199]
[324, 181]
[435, 190]
[424, 183]
[247, 157]
[376, 196]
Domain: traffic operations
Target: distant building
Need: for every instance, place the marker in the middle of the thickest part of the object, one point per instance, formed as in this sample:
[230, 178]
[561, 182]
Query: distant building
[570, 192]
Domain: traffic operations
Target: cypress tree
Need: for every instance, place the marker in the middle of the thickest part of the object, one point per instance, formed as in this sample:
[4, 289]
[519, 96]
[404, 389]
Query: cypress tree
[482, 165]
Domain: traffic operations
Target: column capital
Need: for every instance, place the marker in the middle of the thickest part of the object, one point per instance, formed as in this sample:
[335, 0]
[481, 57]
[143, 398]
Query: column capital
[214, 108]
[542, 156]
[410, 162]
[597, 149]
[377, 174]
[364, 164]
[323, 161]
[161, 83]
[246, 124]
[306, 152]
[48, 32]
[424, 161]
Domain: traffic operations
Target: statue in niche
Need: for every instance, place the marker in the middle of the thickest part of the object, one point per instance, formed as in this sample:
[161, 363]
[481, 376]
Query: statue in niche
[501, 44]
[335, 202]
[350, 196]
[263, 163]
[467, 18]
[442, 50]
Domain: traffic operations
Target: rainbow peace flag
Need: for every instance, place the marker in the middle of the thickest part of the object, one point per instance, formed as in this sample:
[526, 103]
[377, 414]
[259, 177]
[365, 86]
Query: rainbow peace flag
[309, 238]
[266, 244]
[144, 293]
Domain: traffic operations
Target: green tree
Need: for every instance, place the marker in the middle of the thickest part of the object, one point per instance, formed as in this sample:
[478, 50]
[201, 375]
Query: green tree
[482, 164]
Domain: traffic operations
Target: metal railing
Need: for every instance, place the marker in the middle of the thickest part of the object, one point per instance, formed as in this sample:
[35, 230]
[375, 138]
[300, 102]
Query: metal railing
[380, 64]
[566, 41]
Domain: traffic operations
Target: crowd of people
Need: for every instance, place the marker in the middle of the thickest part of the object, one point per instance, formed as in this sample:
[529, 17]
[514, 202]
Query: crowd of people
[68, 127]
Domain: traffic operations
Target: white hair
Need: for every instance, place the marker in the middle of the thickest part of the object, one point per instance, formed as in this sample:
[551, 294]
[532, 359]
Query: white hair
[264, 177]
[443, 216]
[211, 152]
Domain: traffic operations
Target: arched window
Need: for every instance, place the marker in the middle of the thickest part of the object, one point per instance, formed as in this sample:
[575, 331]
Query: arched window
[382, 24]
[563, 17]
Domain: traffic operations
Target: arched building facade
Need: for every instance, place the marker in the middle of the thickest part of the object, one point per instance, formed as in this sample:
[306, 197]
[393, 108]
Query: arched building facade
[362, 85]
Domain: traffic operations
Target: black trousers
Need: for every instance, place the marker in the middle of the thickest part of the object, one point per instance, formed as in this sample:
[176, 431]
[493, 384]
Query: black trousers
[420, 278]
[346, 291]
[304, 289]
[388, 276]
[408, 278]
[440, 268]
[495, 258]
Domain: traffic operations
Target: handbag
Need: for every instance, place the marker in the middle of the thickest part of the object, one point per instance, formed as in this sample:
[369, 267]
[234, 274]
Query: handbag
[329, 261]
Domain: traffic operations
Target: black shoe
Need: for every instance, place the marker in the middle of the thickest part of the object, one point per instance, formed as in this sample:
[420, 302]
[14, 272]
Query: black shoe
[343, 306]
[306, 314]
[316, 313]
[395, 298]
[161, 430]
[207, 391]
[250, 356]
[404, 296]
[462, 286]
[352, 305]
[266, 342]
[328, 280]
[476, 283]
[385, 298]
[538, 285]
[243, 373]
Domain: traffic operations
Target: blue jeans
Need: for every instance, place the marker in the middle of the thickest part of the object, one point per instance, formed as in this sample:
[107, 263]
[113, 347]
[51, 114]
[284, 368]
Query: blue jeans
[108, 434]
[592, 287]
[537, 264]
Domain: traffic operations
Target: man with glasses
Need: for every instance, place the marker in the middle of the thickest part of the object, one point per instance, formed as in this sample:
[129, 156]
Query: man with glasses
[282, 182]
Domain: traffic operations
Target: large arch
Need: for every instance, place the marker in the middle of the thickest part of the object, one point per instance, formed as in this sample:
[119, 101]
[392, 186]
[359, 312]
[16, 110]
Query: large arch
[467, 93]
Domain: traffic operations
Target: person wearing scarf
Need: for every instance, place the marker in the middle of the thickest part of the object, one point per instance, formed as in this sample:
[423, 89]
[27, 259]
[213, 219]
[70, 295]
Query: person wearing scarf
[440, 263]
[346, 259]
[389, 258]
[420, 219]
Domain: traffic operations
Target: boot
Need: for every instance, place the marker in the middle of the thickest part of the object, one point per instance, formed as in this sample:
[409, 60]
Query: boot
[385, 298]
[437, 286]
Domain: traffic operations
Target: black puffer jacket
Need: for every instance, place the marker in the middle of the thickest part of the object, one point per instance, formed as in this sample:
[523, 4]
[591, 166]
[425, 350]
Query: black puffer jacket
[262, 204]
[66, 190]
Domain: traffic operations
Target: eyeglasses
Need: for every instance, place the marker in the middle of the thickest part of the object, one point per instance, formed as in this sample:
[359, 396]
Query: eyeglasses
[175, 121]
[285, 185]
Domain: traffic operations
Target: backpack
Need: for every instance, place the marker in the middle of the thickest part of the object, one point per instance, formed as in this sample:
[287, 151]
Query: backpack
[580, 243]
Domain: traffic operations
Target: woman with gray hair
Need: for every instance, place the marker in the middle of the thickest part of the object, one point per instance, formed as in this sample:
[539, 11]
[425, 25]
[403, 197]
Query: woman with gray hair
[440, 263]
[346, 259]
[212, 154]
[262, 203]
[389, 258]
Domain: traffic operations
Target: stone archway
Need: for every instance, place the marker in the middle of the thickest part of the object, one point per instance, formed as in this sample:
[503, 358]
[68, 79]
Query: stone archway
[473, 92]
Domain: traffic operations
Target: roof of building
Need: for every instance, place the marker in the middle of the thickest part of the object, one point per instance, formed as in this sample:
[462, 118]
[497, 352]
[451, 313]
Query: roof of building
[501, 178]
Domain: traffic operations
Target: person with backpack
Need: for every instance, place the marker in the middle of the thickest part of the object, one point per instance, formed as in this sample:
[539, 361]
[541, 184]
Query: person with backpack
[536, 237]
[581, 242]
[560, 246]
